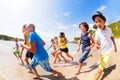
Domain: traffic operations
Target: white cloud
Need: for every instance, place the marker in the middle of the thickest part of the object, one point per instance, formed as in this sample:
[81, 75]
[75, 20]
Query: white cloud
[74, 25]
[66, 13]
[103, 7]
[63, 27]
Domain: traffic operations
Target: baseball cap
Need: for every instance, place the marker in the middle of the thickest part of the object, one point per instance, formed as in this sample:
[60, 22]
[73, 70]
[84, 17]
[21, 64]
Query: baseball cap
[98, 14]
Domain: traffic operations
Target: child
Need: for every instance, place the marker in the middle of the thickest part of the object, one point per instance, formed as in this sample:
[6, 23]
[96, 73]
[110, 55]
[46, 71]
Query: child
[40, 54]
[63, 47]
[28, 53]
[87, 43]
[103, 41]
[54, 44]
[17, 51]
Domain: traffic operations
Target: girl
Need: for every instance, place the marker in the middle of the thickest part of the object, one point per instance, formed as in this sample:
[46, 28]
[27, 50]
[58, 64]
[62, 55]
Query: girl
[63, 47]
[85, 39]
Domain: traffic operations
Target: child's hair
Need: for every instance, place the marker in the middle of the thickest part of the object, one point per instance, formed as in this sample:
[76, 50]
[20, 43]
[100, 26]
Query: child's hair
[32, 25]
[85, 25]
[62, 34]
[55, 37]
[24, 26]
[52, 40]
[15, 39]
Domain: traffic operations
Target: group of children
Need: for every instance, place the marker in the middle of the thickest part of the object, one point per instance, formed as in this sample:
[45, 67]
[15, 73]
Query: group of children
[103, 42]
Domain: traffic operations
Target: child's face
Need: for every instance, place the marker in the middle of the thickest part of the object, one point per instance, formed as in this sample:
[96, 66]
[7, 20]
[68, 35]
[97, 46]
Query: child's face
[60, 36]
[16, 40]
[100, 22]
[55, 38]
[83, 29]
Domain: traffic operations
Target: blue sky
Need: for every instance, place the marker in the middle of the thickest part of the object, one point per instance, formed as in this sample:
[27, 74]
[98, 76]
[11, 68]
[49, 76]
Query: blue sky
[53, 16]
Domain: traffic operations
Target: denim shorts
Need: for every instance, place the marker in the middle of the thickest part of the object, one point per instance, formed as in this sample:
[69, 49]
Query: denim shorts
[44, 64]
[84, 56]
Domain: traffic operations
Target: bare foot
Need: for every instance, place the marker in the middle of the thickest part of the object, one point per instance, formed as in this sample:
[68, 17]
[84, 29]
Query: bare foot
[77, 73]
[36, 77]
[59, 75]
[30, 71]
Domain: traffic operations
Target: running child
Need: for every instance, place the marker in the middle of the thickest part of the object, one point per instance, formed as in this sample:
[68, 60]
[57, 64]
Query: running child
[17, 51]
[103, 41]
[63, 47]
[87, 43]
[40, 54]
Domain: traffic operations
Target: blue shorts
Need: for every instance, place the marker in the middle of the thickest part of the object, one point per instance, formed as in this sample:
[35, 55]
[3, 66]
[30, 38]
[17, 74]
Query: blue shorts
[44, 64]
[84, 56]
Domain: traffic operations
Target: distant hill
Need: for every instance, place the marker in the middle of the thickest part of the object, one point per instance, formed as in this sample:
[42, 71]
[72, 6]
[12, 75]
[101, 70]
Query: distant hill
[8, 38]
[115, 27]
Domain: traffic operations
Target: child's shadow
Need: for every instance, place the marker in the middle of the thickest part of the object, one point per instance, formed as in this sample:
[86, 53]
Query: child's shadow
[108, 70]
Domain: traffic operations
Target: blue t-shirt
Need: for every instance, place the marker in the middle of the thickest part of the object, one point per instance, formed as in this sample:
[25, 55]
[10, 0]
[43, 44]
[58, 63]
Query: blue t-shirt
[41, 53]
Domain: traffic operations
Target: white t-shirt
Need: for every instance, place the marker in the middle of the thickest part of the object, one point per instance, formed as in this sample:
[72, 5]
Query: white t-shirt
[104, 39]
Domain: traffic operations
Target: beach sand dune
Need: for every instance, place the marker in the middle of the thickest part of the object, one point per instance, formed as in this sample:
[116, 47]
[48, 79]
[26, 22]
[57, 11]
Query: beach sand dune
[10, 69]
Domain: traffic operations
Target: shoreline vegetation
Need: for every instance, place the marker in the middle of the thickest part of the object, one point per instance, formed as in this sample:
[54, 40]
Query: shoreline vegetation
[115, 27]
[8, 38]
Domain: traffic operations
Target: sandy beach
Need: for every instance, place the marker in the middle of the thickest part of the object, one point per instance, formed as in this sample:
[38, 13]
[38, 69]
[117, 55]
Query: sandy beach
[10, 69]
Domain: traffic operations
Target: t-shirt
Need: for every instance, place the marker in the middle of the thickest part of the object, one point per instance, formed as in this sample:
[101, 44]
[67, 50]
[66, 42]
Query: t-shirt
[41, 53]
[104, 39]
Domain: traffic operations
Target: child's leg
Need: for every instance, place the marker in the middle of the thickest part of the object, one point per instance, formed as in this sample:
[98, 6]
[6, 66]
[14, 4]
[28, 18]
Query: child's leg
[21, 59]
[33, 64]
[28, 55]
[98, 74]
[15, 55]
[28, 65]
[59, 58]
[68, 55]
[84, 56]
[56, 56]
[80, 66]
[53, 53]
[36, 74]
[63, 57]
[103, 62]
[45, 65]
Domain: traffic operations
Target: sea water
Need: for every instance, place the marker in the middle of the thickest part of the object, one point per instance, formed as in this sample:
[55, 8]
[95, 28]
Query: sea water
[9, 45]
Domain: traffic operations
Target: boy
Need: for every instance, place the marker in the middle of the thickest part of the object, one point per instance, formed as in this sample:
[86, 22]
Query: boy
[40, 54]
[103, 41]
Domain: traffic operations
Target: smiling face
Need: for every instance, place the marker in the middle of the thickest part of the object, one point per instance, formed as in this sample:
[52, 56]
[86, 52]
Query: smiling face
[100, 23]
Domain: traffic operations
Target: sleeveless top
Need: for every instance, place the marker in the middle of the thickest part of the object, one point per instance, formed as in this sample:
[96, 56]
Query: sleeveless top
[26, 41]
[62, 41]
[85, 41]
